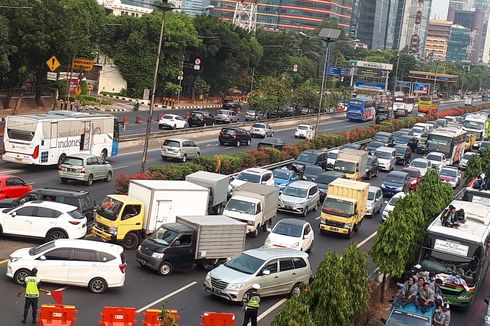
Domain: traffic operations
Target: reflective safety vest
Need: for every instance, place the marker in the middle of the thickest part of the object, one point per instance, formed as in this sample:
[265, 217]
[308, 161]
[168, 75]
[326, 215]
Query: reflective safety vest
[253, 301]
[31, 286]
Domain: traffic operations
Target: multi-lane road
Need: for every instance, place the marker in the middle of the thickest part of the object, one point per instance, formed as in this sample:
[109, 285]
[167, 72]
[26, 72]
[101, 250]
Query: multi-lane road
[182, 290]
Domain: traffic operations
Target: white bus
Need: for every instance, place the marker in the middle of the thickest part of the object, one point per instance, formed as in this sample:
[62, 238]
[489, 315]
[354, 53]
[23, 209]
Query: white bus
[405, 102]
[476, 124]
[45, 139]
[448, 140]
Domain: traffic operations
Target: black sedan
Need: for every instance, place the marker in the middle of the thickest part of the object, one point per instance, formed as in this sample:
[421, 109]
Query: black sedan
[372, 167]
[373, 146]
[403, 154]
[407, 140]
[271, 142]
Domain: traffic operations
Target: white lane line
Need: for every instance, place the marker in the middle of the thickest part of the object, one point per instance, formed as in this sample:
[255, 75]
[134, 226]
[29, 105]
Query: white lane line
[360, 244]
[120, 167]
[271, 309]
[12, 171]
[166, 297]
[318, 217]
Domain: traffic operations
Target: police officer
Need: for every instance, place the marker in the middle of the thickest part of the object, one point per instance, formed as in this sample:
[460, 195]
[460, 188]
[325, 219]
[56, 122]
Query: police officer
[251, 303]
[31, 295]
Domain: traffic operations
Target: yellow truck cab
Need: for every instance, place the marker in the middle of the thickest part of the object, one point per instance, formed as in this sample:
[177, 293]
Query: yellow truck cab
[118, 218]
[344, 206]
[470, 141]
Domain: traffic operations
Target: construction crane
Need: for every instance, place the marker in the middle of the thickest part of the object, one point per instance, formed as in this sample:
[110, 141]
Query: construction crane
[415, 40]
[245, 15]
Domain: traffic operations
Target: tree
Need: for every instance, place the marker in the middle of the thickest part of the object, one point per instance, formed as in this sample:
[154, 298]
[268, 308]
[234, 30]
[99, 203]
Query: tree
[474, 167]
[270, 94]
[330, 300]
[132, 44]
[305, 96]
[5, 48]
[201, 87]
[354, 266]
[296, 312]
[438, 194]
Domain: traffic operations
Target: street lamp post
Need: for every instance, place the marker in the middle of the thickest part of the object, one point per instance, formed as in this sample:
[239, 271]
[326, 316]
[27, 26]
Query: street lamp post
[329, 36]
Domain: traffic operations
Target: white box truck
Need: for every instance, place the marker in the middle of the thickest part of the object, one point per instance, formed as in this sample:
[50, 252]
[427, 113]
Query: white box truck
[254, 204]
[217, 185]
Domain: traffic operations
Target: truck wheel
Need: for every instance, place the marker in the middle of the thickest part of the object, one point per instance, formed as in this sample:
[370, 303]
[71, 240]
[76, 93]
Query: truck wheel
[131, 241]
[256, 232]
[165, 268]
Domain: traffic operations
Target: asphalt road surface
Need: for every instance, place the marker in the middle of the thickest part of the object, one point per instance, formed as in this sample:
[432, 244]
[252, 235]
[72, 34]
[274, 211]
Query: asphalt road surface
[183, 290]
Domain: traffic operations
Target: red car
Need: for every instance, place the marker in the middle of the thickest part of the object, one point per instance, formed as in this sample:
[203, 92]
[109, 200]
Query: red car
[415, 177]
[12, 186]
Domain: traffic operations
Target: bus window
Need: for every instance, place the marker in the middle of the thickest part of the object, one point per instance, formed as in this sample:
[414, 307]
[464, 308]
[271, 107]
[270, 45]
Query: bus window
[116, 130]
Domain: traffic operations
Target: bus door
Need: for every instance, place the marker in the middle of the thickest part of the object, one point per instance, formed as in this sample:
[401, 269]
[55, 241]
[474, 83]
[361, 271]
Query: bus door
[53, 137]
[85, 137]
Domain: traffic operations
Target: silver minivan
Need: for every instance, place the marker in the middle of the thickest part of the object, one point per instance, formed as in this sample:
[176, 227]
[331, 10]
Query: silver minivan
[277, 270]
[84, 167]
[179, 149]
[300, 197]
[386, 158]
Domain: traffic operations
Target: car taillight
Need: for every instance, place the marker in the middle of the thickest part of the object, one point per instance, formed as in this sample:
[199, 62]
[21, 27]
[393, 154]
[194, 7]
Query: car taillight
[201, 118]
[74, 222]
[221, 133]
[122, 267]
[82, 170]
[233, 134]
[35, 154]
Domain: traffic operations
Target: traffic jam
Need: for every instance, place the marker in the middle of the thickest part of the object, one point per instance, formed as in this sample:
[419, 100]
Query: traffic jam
[211, 238]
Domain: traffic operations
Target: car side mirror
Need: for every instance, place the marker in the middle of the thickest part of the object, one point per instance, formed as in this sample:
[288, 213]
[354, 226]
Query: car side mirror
[269, 229]
[43, 258]
[266, 272]
[14, 214]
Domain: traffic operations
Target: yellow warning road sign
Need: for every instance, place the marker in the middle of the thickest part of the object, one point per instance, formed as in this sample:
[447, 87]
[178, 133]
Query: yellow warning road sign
[53, 63]
[78, 90]
[85, 64]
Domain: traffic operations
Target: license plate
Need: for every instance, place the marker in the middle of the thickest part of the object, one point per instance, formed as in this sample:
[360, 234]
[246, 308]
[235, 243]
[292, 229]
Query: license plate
[217, 291]
[287, 207]
[334, 229]
[18, 159]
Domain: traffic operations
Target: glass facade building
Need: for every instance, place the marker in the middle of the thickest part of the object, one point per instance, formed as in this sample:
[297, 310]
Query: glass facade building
[459, 43]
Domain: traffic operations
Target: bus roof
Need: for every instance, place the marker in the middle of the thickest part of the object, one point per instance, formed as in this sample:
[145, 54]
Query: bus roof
[476, 228]
[58, 115]
[448, 131]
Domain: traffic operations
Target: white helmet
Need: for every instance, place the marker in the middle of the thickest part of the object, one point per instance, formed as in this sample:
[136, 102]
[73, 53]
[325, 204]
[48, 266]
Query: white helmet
[256, 286]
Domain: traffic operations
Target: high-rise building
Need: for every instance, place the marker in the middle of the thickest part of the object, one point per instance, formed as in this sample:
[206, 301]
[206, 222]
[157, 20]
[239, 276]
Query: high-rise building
[291, 14]
[413, 24]
[474, 21]
[195, 7]
[436, 43]
[458, 49]
[372, 22]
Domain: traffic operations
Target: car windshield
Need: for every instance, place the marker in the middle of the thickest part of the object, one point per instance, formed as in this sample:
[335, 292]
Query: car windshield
[249, 177]
[404, 139]
[374, 144]
[295, 192]
[371, 195]
[393, 200]
[345, 167]
[412, 172]
[467, 156]
[402, 318]
[42, 248]
[381, 138]
[450, 173]
[307, 158]
[394, 178]
[338, 207]
[281, 174]
[313, 170]
[163, 236]
[400, 150]
[291, 230]
[332, 155]
[171, 143]
[110, 208]
[419, 164]
[245, 263]
[383, 155]
[302, 128]
[370, 161]
[258, 125]
[168, 117]
[70, 160]
[434, 157]
[474, 125]
[325, 179]
[76, 214]
[240, 206]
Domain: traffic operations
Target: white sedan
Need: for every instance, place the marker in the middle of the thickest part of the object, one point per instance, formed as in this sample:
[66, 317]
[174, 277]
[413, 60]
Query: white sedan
[172, 121]
[438, 160]
[422, 165]
[291, 233]
[390, 206]
[304, 131]
[450, 175]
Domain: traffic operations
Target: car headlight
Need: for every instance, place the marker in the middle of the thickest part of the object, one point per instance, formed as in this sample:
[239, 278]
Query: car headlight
[112, 230]
[157, 255]
[208, 278]
[295, 245]
[235, 286]
[399, 188]
[14, 259]
[251, 222]
[383, 185]
[139, 248]
[347, 225]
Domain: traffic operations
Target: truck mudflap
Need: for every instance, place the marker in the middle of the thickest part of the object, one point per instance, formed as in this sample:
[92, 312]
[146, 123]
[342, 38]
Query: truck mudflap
[329, 228]
[96, 232]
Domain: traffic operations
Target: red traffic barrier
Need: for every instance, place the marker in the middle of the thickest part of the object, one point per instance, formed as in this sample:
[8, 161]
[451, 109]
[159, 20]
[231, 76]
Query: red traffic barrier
[126, 120]
[217, 319]
[118, 316]
[152, 317]
[139, 119]
[57, 315]
[160, 115]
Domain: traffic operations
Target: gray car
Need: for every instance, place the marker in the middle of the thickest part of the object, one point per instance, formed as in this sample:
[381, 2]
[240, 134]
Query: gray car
[374, 201]
[300, 197]
[226, 116]
[261, 130]
[84, 167]
[278, 271]
[179, 149]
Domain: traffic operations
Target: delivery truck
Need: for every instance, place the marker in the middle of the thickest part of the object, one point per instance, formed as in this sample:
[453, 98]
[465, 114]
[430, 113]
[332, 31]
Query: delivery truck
[344, 206]
[254, 204]
[218, 188]
[352, 162]
[148, 205]
[192, 241]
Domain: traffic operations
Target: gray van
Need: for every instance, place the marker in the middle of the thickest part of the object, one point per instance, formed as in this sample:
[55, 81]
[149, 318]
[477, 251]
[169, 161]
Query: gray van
[278, 271]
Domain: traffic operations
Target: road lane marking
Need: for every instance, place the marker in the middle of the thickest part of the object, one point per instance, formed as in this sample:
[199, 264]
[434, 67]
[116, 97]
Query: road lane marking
[3, 261]
[166, 297]
[13, 171]
[271, 309]
[360, 244]
[120, 167]
[318, 217]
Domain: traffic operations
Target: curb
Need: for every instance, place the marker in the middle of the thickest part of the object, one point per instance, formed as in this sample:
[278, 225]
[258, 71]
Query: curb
[162, 106]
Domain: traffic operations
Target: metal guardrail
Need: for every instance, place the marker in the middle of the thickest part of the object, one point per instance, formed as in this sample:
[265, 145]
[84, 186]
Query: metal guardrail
[286, 162]
[157, 134]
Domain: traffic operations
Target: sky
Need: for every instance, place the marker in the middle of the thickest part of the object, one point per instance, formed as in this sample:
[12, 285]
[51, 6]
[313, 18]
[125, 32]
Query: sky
[439, 9]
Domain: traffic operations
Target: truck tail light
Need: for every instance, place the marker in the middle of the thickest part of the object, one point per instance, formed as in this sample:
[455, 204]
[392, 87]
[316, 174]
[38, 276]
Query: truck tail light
[35, 154]
[122, 268]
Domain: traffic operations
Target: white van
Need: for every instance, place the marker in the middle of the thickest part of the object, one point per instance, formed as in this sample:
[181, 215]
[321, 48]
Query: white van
[425, 126]
[386, 158]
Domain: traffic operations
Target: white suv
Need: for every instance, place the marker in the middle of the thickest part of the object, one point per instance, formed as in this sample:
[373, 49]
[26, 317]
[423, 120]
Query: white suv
[253, 175]
[93, 264]
[43, 219]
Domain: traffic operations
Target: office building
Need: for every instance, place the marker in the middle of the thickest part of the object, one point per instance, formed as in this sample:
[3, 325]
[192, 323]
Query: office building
[372, 22]
[291, 14]
[459, 45]
[436, 43]
[195, 7]
[474, 21]
[413, 24]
